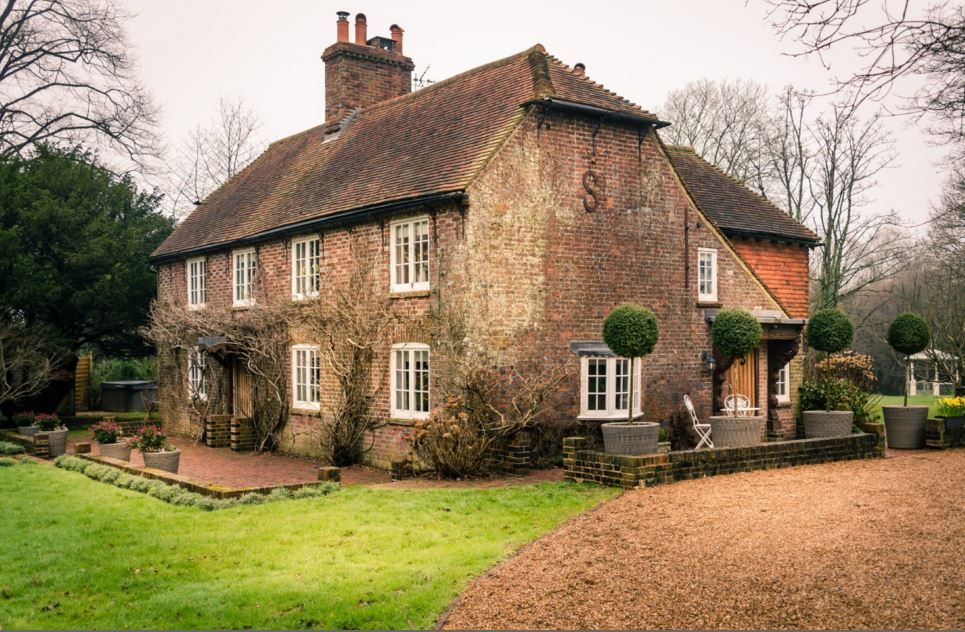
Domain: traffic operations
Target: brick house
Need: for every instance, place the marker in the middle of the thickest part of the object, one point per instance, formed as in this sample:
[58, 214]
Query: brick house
[524, 190]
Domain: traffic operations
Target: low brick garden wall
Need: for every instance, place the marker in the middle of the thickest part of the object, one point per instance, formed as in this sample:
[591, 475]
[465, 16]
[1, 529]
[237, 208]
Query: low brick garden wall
[35, 445]
[591, 466]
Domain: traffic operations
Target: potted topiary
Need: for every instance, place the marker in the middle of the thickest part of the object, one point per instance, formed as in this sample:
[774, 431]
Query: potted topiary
[631, 332]
[829, 331]
[26, 424]
[152, 442]
[905, 425]
[55, 431]
[107, 434]
[735, 333]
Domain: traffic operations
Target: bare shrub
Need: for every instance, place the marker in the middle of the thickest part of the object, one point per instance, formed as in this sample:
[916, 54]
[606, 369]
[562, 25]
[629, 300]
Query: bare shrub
[25, 364]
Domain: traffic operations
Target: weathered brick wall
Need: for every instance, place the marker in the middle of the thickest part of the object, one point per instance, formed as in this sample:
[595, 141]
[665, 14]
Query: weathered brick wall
[361, 75]
[544, 272]
[783, 267]
[588, 466]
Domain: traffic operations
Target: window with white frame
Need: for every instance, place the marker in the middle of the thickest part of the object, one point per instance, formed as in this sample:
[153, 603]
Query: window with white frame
[305, 267]
[306, 376]
[707, 275]
[196, 269]
[409, 255]
[605, 385]
[244, 267]
[782, 387]
[197, 380]
[410, 381]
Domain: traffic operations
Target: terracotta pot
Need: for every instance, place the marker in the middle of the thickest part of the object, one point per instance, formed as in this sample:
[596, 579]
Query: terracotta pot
[905, 426]
[619, 437]
[824, 423]
[736, 432]
[120, 450]
[167, 461]
[57, 442]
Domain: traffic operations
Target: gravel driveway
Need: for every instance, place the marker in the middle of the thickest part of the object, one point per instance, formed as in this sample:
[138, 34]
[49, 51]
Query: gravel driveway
[866, 544]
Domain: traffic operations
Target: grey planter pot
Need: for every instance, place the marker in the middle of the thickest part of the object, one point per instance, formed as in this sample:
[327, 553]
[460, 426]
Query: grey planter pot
[619, 437]
[120, 450]
[736, 432]
[28, 430]
[167, 461]
[905, 426]
[57, 440]
[823, 423]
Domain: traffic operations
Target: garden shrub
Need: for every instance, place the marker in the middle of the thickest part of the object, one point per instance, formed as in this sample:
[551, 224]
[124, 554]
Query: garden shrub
[735, 332]
[177, 495]
[6, 461]
[829, 330]
[631, 331]
[11, 448]
[908, 333]
[843, 381]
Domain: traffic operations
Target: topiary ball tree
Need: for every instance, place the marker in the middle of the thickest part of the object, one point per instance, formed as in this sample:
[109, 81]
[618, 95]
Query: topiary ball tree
[735, 332]
[908, 334]
[829, 330]
[631, 332]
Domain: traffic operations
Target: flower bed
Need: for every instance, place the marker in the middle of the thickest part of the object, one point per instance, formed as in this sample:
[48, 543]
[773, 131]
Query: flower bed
[177, 492]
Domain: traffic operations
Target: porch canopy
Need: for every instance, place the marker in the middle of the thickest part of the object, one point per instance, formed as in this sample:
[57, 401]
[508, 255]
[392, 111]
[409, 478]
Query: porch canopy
[776, 326]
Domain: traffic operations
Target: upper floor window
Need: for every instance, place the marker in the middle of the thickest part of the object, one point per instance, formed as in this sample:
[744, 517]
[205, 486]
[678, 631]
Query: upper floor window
[197, 380]
[782, 387]
[245, 264]
[306, 376]
[410, 381]
[605, 385]
[409, 255]
[707, 275]
[305, 268]
[196, 269]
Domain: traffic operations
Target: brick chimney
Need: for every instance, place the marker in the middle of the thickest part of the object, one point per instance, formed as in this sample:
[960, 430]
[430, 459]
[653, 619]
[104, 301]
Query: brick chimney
[364, 72]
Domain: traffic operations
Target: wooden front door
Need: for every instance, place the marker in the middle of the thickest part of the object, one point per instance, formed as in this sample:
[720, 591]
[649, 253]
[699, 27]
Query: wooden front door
[242, 396]
[742, 378]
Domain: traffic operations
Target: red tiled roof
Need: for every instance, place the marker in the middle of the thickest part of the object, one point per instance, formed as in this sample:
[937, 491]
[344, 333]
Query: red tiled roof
[733, 207]
[428, 142]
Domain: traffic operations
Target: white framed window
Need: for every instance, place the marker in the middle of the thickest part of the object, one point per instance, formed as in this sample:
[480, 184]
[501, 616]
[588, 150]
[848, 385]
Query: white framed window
[196, 269]
[782, 387]
[306, 377]
[306, 258]
[409, 255]
[604, 386]
[197, 380]
[410, 380]
[707, 275]
[244, 268]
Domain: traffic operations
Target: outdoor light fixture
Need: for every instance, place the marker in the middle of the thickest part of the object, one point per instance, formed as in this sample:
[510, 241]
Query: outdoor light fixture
[708, 359]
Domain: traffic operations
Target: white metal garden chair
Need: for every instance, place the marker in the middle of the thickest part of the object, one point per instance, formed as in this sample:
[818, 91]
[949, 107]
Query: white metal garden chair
[737, 405]
[702, 430]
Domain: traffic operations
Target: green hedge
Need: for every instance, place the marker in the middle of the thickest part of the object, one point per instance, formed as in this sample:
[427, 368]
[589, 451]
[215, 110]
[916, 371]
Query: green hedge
[179, 496]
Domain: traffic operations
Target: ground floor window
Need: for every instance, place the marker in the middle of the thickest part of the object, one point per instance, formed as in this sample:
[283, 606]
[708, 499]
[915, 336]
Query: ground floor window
[306, 376]
[197, 380]
[605, 386]
[782, 387]
[410, 381]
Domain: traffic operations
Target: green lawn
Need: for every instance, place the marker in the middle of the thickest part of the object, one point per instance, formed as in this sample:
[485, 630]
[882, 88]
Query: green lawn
[77, 553]
[918, 400]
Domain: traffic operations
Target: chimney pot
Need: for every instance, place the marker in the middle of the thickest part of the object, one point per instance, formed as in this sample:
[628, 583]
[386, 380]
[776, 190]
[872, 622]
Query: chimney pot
[341, 27]
[579, 69]
[397, 37]
[361, 37]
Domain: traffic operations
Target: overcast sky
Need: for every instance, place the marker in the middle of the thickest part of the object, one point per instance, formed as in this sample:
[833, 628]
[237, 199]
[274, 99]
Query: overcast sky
[191, 52]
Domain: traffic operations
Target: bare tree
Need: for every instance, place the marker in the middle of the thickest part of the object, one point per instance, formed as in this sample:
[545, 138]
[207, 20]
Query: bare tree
[858, 248]
[211, 155]
[25, 365]
[725, 122]
[66, 74]
[898, 41]
[790, 154]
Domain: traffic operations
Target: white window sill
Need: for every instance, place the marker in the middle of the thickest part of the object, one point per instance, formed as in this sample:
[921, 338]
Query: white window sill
[401, 415]
[409, 289]
[620, 416]
[305, 408]
[243, 304]
[706, 298]
[196, 307]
